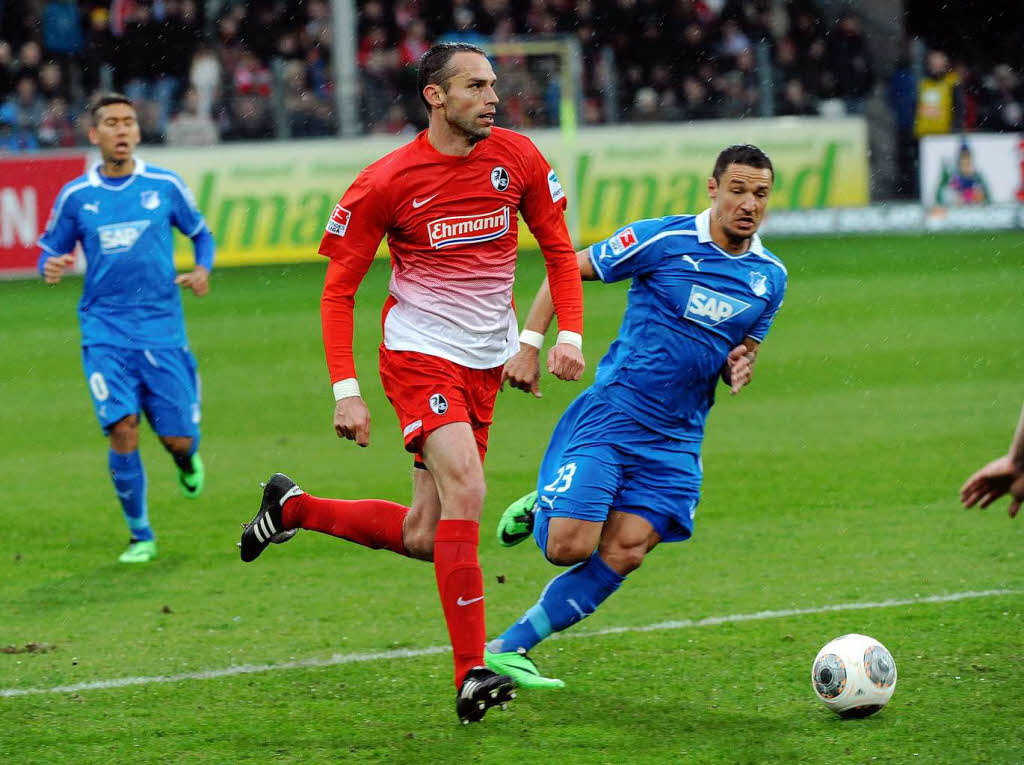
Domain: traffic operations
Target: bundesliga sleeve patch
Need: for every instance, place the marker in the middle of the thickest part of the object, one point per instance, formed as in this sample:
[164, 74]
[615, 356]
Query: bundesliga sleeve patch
[338, 223]
[622, 241]
[555, 187]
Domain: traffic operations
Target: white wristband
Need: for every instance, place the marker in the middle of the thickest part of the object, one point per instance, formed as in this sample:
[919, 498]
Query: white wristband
[346, 388]
[574, 339]
[529, 337]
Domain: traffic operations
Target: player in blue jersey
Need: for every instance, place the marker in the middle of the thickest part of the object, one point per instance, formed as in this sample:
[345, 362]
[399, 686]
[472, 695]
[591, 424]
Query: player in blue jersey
[134, 349]
[622, 472]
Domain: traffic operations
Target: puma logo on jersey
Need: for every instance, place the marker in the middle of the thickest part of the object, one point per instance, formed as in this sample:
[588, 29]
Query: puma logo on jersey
[468, 229]
[93, 207]
[709, 308]
[694, 263]
[120, 237]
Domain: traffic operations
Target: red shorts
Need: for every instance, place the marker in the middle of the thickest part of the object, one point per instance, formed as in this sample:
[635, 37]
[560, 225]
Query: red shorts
[428, 392]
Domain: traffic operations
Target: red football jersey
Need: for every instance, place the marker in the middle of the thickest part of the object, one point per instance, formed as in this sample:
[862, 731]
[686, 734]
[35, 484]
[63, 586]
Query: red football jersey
[451, 226]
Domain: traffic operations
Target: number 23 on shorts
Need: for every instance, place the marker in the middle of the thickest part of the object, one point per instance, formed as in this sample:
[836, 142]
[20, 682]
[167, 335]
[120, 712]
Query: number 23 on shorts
[563, 480]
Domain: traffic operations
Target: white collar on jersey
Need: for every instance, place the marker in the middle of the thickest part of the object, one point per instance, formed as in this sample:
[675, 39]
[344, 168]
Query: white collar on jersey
[96, 180]
[704, 235]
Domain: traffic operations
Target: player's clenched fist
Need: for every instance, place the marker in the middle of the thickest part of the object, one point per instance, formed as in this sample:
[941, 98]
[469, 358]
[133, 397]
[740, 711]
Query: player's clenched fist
[198, 280]
[739, 368]
[565, 361]
[53, 268]
[522, 371]
[352, 420]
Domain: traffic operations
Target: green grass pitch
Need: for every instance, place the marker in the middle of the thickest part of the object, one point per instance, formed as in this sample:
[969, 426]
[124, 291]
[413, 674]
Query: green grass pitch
[895, 368]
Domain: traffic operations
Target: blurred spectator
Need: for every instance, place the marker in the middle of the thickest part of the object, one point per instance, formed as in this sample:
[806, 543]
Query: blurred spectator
[205, 79]
[148, 66]
[939, 98]
[308, 116]
[51, 82]
[56, 131]
[733, 40]
[98, 51]
[26, 105]
[150, 127]
[851, 63]
[645, 105]
[7, 67]
[414, 44]
[902, 97]
[379, 70]
[13, 138]
[695, 100]
[260, 29]
[191, 127]
[250, 119]
[30, 57]
[251, 76]
[463, 27]
[795, 101]
[62, 34]
[1003, 101]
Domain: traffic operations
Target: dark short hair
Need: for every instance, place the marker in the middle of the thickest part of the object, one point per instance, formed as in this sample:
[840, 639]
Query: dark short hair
[106, 100]
[742, 154]
[435, 66]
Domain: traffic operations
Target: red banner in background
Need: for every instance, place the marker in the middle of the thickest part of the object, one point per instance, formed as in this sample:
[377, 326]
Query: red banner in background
[28, 187]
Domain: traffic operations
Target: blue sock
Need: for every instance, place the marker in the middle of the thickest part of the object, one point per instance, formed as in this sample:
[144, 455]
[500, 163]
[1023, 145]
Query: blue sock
[570, 597]
[130, 484]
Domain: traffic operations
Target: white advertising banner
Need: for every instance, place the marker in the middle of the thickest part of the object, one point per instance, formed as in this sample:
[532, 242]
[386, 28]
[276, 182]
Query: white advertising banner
[972, 169]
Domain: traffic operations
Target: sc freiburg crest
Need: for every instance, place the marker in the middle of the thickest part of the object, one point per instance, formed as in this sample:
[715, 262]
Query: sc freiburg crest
[499, 178]
[438, 404]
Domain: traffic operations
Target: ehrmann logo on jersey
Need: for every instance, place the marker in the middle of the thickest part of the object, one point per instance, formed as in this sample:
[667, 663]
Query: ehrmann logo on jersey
[709, 308]
[120, 237]
[468, 229]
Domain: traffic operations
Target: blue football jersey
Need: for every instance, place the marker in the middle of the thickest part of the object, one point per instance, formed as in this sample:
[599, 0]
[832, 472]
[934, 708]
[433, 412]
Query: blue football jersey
[690, 303]
[124, 226]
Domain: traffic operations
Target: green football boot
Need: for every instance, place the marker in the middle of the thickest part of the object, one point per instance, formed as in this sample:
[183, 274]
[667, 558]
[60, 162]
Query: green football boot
[516, 522]
[520, 667]
[139, 552]
[192, 482]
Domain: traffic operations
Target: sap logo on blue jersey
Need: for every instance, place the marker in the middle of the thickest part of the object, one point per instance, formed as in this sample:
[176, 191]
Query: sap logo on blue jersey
[120, 237]
[710, 308]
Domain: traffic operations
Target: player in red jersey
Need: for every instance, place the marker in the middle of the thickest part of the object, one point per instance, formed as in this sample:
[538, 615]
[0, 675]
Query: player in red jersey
[447, 202]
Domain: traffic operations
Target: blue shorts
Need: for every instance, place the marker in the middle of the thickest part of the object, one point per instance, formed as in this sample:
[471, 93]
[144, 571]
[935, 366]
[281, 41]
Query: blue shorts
[163, 383]
[600, 459]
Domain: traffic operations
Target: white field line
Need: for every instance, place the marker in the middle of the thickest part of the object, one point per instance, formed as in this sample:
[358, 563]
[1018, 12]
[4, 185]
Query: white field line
[409, 653]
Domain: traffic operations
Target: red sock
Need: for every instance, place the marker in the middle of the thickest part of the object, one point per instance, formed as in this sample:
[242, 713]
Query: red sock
[373, 523]
[461, 586]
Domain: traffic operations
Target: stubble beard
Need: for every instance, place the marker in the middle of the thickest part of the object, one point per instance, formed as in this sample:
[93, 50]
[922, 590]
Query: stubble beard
[470, 131]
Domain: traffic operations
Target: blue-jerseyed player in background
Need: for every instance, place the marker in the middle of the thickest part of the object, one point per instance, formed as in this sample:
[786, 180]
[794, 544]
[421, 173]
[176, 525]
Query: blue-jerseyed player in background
[134, 349]
[622, 471]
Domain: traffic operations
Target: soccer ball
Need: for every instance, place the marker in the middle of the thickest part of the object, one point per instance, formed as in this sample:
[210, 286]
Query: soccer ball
[854, 675]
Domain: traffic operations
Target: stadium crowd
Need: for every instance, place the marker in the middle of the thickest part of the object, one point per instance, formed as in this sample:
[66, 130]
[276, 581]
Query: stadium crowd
[206, 72]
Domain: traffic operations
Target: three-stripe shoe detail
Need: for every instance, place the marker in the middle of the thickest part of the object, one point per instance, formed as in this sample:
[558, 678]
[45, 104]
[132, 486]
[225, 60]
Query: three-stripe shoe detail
[482, 689]
[267, 526]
